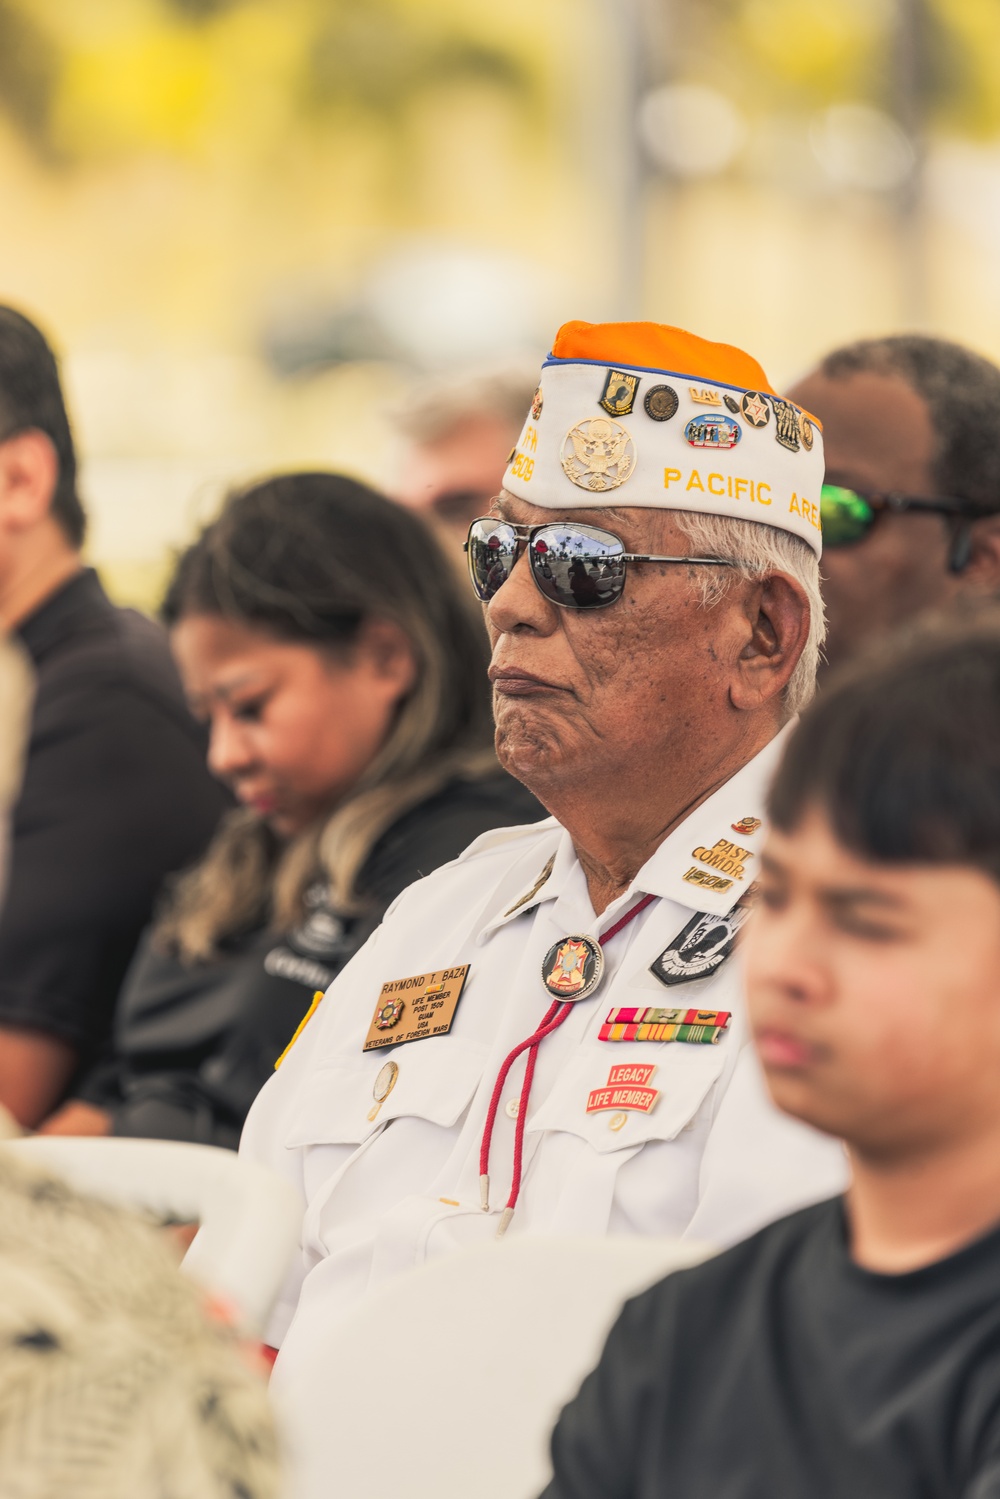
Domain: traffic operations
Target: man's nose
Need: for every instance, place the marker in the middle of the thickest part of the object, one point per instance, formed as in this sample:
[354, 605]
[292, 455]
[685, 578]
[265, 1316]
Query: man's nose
[785, 956]
[519, 605]
[228, 750]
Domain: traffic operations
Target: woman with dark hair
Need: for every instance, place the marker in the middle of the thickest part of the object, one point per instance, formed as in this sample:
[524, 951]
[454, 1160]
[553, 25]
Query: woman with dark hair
[326, 639]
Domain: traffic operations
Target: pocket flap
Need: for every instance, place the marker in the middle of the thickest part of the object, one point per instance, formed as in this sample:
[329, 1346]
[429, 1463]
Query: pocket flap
[683, 1078]
[436, 1081]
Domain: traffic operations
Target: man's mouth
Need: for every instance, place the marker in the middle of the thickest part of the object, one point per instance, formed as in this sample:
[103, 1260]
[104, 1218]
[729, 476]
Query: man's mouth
[510, 681]
[783, 1051]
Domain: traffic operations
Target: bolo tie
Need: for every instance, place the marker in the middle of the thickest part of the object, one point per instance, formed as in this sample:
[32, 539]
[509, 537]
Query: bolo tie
[572, 970]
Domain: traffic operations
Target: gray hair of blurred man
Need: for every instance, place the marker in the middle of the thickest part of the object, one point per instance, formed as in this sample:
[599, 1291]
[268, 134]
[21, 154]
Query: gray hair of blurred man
[439, 404]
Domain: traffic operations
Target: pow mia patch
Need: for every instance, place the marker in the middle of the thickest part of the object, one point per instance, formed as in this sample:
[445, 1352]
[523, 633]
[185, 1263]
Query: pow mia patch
[618, 395]
[701, 947]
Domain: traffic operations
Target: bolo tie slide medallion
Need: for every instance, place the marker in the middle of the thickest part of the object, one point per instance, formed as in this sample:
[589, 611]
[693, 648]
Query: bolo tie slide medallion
[573, 968]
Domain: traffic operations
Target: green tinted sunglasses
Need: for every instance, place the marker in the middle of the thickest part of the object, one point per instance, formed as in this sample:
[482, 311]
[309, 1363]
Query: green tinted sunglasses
[848, 516]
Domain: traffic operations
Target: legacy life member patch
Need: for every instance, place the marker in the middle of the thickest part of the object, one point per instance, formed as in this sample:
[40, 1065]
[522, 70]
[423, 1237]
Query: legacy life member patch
[411, 1009]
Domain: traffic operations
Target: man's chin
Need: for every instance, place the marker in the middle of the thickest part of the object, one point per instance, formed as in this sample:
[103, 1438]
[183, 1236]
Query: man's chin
[529, 754]
[796, 1094]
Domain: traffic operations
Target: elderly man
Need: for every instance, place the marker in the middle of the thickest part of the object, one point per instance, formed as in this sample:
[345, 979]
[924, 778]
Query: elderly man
[548, 1035]
[911, 506]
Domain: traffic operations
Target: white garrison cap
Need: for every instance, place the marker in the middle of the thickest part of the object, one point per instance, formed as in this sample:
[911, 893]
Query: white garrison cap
[648, 415]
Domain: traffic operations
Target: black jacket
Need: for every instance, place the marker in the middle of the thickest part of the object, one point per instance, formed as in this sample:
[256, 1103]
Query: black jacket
[196, 1043]
[115, 796]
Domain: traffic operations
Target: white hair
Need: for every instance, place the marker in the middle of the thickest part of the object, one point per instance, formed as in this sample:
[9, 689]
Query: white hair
[759, 550]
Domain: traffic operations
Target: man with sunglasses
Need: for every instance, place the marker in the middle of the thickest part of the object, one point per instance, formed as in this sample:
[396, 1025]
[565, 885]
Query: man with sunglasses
[548, 1035]
[911, 503]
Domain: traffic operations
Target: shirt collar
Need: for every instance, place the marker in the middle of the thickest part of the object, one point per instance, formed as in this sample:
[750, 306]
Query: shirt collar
[59, 615]
[554, 869]
[705, 864]
[712, 857]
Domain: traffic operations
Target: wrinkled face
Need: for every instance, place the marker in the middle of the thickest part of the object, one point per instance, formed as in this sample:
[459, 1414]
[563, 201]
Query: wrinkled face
[590, 697]
[874, 993]
[878, 439]
[292, 727]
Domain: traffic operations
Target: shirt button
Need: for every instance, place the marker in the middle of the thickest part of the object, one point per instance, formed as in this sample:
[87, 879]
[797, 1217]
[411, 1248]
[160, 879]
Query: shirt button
[618, 1121]
[511, 1107]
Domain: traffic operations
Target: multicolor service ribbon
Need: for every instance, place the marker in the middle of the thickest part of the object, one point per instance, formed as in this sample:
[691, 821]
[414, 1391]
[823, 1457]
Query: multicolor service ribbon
[703, 1027]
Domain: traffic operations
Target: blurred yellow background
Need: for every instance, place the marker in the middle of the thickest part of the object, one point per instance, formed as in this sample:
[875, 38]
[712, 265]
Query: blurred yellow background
[248, 225]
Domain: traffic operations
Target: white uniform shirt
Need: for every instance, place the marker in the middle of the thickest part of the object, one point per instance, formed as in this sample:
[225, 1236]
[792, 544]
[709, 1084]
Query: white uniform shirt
[713, 1160]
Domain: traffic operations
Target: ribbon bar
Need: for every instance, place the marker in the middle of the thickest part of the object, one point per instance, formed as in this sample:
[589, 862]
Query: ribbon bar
[699, 1027]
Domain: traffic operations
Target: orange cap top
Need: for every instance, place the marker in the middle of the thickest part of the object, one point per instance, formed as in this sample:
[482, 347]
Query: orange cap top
[657, 346]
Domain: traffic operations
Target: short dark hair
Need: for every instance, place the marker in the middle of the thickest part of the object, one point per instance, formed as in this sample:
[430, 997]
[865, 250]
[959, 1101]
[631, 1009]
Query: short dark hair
[31, 398]
[902, 751]
[962, 392]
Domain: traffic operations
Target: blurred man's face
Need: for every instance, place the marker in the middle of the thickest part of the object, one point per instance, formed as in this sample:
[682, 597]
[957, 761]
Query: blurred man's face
[455, 479]
[878, 439]
[874, 993]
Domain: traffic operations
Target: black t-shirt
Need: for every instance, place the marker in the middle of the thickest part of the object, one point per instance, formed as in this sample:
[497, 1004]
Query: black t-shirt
[195, 1043]
[116, 794]
[781, 1370]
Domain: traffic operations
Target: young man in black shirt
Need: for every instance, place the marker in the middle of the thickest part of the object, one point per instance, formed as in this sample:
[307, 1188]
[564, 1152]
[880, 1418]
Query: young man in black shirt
[116, 793]
[851, 1351]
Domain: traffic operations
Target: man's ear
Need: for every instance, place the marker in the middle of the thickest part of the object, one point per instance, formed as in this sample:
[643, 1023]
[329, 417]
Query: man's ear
[982, 571]
[777, 626]
[29, 473]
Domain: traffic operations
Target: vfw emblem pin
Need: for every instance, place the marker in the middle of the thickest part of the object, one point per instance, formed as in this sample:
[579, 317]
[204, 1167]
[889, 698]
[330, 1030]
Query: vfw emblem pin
[573, 967]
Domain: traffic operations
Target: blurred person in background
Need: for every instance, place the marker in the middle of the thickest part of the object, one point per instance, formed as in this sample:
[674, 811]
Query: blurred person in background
[115, 792]
[323, 636]
[851, 1351]
[117, 1381]
[459, 431]
[911, 502]
[548, 1036]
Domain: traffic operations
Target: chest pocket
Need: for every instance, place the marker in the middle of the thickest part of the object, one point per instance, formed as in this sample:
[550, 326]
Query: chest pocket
[684, 1077]
[436, 1081]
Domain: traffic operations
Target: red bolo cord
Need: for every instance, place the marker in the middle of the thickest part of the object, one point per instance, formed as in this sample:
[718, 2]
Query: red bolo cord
[557, 1012]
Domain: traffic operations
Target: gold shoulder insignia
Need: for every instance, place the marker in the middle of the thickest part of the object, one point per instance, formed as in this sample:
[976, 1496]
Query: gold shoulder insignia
[301, 1026]
[534, 889]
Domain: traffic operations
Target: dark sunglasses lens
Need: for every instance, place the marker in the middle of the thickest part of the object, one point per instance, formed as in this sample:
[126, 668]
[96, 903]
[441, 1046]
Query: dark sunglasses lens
[492, 548]
[846, 515]
[579, 567]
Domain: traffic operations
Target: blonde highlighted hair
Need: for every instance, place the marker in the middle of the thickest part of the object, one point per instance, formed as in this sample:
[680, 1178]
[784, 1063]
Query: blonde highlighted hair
[309, 558]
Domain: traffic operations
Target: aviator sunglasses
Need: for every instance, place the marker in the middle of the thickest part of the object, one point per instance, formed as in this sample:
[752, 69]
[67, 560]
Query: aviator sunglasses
[848, 516]
[574, 566]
